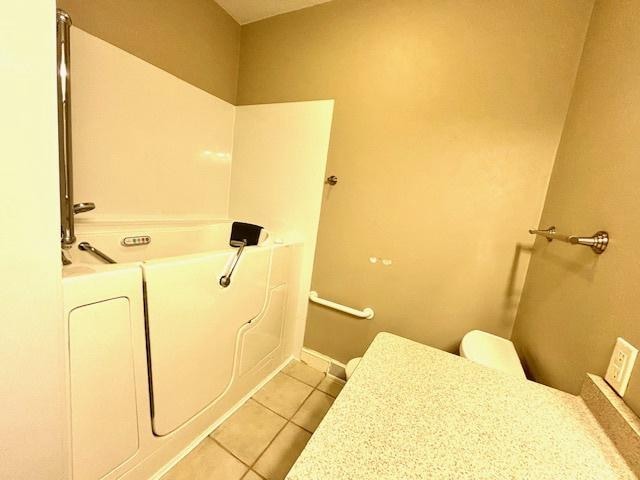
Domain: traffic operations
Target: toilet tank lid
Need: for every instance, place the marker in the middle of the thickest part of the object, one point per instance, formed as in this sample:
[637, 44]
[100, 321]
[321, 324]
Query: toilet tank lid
[491, 351]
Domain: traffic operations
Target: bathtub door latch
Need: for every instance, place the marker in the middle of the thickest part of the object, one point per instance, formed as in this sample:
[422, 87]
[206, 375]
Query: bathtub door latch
[225, 280]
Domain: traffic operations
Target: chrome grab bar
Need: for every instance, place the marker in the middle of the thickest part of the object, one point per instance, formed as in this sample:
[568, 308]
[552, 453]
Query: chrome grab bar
[63, 24]
[225, 280]
[87, 247]
[65, 151]
[598, 242]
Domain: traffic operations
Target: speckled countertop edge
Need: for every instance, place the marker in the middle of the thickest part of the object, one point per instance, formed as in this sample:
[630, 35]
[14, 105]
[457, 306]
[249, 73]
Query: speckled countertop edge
[414, 412]
[615, 417]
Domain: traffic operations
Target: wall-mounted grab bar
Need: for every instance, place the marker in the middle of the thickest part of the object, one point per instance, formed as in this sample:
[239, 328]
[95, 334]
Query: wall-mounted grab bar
[598, 242]
[366, 313]
[65, 152]
[63, 51]
[87, 247]
[225, 280]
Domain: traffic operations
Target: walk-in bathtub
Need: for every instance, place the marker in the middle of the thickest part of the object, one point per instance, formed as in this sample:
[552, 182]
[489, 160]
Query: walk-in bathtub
[166, 239]
[204, 347]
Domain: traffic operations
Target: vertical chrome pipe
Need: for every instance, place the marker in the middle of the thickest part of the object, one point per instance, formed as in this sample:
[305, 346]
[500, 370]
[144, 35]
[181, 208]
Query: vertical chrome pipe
[65, 159]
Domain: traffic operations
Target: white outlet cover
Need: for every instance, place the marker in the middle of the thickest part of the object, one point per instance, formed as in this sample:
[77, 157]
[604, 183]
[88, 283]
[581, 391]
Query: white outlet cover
[621, 365]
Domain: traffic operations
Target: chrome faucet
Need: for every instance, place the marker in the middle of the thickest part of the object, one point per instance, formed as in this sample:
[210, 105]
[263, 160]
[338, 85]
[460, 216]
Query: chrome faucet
[65, 260]
[87, 247]
[83, 207]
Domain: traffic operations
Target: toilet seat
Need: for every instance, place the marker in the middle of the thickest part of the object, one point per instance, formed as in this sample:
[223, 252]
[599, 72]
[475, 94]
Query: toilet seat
[491, 351]
[351, 366]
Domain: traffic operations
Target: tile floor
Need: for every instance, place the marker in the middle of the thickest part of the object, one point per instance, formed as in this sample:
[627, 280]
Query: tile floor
[264, 437]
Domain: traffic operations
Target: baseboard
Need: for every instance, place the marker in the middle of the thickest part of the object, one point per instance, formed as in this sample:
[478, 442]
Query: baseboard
[184, 452]
[324, 363]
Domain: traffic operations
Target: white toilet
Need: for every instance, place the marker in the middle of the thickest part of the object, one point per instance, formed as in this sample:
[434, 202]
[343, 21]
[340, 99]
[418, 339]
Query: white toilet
[351, 366]
[480, 347]
[491, 351]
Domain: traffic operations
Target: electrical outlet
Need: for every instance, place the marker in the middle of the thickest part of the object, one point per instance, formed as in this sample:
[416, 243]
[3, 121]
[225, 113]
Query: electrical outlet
[620, 366]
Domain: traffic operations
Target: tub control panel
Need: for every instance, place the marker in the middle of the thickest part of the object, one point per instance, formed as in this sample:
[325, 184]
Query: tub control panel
[135, 241]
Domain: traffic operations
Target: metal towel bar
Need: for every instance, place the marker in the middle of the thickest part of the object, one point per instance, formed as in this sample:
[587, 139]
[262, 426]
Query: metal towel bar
[598, 242]
[366, 313]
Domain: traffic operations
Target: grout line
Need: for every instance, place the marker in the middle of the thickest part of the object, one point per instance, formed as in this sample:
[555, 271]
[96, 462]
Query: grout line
[268, 445]
[284, 426]
[333, 399]
[291, 376]
[326, 375]
[287, 422]
[342, 381]
[303, 428]
[228, 451]
[272, 411]
[164, 470]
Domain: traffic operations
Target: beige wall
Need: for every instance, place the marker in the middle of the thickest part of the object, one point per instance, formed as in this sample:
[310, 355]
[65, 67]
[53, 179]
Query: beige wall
[575, 303]
[195, 40]
[33, 427]
[446, 125]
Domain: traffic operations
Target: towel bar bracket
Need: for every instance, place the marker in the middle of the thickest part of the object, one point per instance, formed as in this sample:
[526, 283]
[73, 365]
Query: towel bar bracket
[598, 242]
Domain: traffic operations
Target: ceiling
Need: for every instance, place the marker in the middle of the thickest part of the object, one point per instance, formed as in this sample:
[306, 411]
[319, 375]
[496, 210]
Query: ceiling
[247, 11]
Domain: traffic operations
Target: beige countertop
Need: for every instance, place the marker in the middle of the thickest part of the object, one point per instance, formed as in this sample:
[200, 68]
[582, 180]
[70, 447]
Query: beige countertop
[411, 412]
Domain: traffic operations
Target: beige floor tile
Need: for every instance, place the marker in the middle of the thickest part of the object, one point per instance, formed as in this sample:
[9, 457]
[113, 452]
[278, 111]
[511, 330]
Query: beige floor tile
[248, 432]
[208, 461]
[313, 410]
[331, 386]
[283, 395]
[303, 372]
[275, 463]
[251, 475]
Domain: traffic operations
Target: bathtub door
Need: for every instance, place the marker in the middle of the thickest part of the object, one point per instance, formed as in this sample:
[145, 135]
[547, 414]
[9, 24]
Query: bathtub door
[193, 325]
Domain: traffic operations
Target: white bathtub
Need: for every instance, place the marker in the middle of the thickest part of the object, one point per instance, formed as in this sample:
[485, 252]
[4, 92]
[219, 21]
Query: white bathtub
[205, 347]
[168, 239]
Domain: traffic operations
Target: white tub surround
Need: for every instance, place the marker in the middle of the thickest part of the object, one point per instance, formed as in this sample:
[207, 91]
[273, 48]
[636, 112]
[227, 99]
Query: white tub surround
[145, 143]
[412, 411]
[277, 178]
